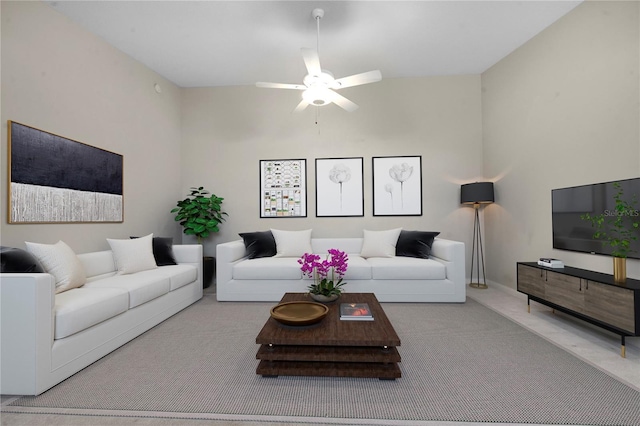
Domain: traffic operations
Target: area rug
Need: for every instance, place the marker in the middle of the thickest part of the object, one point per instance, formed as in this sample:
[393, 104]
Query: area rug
[460, 362]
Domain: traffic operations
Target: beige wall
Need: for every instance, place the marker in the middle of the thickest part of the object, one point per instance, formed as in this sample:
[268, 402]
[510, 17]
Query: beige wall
[59, 78]
[226, 131]
[75, 85]
[560, 111]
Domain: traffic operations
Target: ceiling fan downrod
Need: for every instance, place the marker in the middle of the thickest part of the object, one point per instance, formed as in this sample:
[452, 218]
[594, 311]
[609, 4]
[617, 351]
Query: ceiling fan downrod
[317, 14]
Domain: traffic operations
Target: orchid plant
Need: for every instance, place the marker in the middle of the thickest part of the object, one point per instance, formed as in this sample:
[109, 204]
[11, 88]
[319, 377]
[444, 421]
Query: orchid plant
[327, 274]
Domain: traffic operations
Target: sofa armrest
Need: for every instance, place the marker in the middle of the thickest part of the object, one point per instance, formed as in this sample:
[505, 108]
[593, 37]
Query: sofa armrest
[451, 254]
[227, 254]
[27, 320]
[190, 254]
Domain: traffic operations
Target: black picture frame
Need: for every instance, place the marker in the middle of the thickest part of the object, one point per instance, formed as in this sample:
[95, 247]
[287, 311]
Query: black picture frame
[397, 185]
[340, 187]
[283, 188]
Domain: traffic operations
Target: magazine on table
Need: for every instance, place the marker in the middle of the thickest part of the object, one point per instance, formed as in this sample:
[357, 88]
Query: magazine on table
[355, 312]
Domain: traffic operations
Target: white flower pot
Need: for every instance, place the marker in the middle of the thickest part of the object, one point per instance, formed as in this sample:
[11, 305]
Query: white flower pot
[324, 299]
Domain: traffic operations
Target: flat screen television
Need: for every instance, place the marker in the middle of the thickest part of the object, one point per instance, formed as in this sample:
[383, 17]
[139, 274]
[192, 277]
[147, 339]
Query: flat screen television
[571, 232]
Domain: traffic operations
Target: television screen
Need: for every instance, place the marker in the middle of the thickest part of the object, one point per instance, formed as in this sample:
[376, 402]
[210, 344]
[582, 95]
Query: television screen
[572, 232]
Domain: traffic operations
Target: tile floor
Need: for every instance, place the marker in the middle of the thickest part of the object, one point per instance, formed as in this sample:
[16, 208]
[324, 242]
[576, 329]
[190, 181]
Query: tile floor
[594, 345]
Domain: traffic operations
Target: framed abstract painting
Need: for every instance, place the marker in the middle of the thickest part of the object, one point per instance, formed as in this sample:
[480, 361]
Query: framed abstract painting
[53, 179]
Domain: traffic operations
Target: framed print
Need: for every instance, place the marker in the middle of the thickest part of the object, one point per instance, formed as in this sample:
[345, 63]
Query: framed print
[339, 187]
[397, 186]
[53, 179]
[283, 190]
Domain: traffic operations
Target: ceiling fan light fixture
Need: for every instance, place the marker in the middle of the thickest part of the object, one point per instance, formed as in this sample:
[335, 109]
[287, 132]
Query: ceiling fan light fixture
[317, 96]
[319, 84]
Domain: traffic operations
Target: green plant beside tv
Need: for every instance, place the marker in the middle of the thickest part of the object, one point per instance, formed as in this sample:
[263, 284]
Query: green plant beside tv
[200, 214]
[617, 229]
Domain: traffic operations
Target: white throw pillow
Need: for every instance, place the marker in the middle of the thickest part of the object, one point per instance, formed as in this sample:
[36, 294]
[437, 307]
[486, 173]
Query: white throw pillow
[380, 243]
[292, 243]
[60, 261]
[133, 255]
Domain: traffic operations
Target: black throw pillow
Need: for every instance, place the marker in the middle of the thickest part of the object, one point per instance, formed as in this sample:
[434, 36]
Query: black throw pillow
[163, 251]
[259, 244]
[18, 260]
[415, 243]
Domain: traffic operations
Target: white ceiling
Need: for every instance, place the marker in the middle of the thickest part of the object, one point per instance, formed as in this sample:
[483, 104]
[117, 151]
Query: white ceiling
[223, 43]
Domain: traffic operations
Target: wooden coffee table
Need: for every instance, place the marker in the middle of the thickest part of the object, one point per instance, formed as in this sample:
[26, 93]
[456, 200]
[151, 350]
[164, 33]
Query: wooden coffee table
[332, 347]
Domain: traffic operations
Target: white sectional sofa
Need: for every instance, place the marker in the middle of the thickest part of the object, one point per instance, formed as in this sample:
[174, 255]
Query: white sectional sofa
[47, 337]
[440, 278]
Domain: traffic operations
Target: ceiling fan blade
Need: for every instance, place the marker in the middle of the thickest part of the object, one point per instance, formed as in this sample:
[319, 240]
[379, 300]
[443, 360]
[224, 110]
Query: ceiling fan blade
[301, 106]
[311, 60]
[341, 101]
[357, 79]
[280, 86]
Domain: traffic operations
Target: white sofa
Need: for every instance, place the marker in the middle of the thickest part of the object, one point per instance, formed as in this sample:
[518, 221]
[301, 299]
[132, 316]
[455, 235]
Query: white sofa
[47, 337]
[440, 278]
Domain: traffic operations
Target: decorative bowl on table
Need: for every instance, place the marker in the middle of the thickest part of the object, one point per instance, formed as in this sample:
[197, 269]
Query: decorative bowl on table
[299, 313]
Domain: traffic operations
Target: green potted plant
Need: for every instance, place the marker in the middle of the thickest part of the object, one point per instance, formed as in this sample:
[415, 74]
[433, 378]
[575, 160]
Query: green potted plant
[200, 214]
[617, 229]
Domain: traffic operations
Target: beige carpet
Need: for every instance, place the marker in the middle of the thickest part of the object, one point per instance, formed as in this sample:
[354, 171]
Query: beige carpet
[461, 362]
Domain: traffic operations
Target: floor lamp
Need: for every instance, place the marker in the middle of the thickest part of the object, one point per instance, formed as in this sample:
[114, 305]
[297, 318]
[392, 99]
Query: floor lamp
[476, 194]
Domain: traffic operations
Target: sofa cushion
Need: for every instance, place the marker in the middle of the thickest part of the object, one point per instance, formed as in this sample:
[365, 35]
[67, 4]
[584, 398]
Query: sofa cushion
[141, 287]
[179, 275]
[81, 308]
[60, 261]
[357, 268]
[406, 268]
[380, 243]
[134, 255]
[415, 243]
[292, 243]
[259, 244]
[347, 245]
[17, 260]
[98, 264]
[162, 250]
[268, 268]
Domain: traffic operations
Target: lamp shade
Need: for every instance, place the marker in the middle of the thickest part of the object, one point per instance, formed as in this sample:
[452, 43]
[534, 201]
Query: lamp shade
[477, 192]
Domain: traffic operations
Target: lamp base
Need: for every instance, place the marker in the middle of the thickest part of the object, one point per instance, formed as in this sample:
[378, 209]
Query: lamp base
[478, 285]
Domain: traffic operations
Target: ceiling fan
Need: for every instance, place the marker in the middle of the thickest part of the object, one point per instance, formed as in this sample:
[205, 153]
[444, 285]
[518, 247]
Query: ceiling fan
[319, 85]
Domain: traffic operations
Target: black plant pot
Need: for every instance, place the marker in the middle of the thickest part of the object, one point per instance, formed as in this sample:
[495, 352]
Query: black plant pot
[208, 270]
